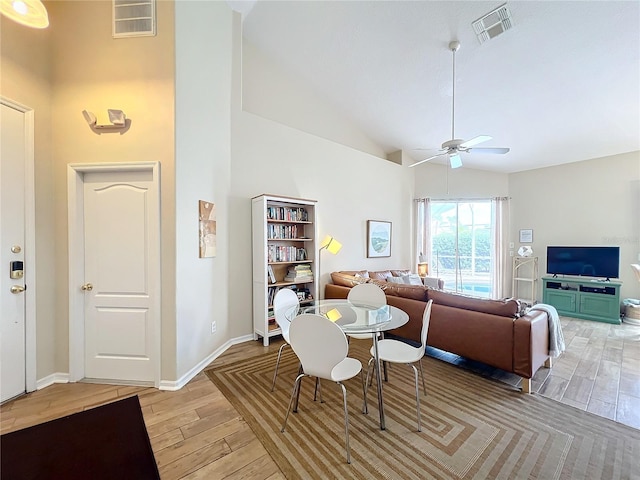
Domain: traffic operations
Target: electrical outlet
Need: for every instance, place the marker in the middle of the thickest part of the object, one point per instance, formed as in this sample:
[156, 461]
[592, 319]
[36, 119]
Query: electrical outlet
[213, 327]
[511, 253]
[511, 244]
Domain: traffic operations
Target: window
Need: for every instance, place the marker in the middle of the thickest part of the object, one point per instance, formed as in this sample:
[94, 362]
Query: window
[461, 252]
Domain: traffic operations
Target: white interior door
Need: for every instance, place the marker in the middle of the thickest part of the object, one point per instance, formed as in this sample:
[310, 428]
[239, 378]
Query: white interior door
[121, 322]
[12, 245]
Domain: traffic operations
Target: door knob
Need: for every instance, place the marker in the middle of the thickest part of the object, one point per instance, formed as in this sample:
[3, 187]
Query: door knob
[17, 289]
[87, 287]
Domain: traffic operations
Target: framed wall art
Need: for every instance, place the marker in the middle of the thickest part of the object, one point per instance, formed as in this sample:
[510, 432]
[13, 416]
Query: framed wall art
[526, 235]
[207, 228]
[378, 238]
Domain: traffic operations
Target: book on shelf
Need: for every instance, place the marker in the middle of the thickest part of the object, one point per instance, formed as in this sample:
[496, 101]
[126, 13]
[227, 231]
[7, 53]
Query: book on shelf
[299, 273]
[272, 277]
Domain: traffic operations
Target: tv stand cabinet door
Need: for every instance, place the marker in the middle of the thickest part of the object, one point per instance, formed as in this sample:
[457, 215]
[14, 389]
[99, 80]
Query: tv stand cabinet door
[600, 305]
[564, 301]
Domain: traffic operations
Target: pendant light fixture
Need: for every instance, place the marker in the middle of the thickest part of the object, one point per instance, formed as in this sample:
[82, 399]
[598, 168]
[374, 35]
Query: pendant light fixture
[31, 13]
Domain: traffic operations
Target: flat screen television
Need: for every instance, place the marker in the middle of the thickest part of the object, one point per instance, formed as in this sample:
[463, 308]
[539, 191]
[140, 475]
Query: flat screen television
[599, 262]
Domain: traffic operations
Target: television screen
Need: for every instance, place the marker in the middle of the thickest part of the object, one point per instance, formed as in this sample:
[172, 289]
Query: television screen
[601, 262]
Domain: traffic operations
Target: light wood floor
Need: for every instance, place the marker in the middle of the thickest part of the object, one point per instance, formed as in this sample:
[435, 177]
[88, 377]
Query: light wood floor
[195, 432]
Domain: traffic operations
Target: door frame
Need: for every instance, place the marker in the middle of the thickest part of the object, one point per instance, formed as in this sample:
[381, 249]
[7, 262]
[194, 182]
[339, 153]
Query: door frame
[29, 243]
[75, 190]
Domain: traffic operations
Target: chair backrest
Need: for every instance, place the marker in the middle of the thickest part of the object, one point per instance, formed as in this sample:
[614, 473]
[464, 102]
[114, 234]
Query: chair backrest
[285, 297]
[426, 318]
[368, 294]
[319, 343]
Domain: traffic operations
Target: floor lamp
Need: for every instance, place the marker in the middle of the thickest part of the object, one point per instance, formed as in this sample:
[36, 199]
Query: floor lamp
[331, 245]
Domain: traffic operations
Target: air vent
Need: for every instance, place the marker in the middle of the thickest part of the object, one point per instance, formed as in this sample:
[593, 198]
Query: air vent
[134, 18]
[493, 23]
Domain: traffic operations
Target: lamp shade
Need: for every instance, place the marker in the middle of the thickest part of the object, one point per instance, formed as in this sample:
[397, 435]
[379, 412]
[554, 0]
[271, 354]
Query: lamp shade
[423, 269]
[636, 269]
[331, 245]
[31, 13]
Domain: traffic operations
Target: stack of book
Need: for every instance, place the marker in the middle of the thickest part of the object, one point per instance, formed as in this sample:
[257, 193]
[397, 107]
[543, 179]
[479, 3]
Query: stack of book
[299, 273]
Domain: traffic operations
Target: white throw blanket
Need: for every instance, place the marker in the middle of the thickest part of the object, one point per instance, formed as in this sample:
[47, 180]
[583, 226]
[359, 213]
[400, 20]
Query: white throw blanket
[556, 337]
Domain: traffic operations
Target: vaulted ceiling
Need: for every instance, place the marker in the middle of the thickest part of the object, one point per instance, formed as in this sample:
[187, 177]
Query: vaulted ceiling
[562, 85]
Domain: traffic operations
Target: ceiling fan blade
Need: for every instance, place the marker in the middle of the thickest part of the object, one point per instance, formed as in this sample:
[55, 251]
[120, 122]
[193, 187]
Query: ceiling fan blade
[476, 141]
[455, 160]
[488, 150]
[425, 160]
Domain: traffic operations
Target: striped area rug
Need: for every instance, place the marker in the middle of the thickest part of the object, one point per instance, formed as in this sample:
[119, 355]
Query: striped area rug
[472, 427]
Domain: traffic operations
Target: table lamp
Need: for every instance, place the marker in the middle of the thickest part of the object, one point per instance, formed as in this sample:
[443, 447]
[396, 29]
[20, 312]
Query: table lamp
[636, 269]
[423, 266]
[423, 269]
[331, 245]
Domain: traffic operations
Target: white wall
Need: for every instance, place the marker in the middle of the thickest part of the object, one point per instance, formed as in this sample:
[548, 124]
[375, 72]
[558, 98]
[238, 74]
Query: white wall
[272, 93]
[351, 187]
[594, 202]
[441, 182]
[203, 139]
[93, 71]
[26, 79]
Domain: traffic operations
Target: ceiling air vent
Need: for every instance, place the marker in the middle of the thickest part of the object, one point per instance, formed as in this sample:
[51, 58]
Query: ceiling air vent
[134, 18]
[493, 23]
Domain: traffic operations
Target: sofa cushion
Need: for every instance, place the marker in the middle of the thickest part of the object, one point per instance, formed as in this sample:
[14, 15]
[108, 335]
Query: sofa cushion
[356, 273]
[381, 275]
[347, 280]
[400, 273]
[415, 292]
[503, 308]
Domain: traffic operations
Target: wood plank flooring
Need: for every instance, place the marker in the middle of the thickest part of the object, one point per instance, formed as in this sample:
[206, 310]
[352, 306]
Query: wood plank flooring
[196, 433]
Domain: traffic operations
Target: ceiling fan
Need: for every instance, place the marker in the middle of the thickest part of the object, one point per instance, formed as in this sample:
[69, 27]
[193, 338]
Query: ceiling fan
[452, 148]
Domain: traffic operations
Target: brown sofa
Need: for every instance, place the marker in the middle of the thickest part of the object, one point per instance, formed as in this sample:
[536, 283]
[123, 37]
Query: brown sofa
[488, 331]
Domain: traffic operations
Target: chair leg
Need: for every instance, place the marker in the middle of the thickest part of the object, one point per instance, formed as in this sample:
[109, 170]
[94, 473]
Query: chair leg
[296, 389]
[424, 385]
[369, 379]
[365, 407]
[415, 375]
[295, 405]
[346, 421]
[275, 374]
[318, 389]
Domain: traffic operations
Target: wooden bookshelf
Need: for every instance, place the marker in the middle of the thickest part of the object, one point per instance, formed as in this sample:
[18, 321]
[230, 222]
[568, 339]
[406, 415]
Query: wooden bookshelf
[284, 239]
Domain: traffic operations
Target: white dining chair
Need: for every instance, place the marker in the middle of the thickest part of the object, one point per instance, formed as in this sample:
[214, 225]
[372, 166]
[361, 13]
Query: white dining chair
[322, 348]
[368, 294]
[283, 302]
[395, 351]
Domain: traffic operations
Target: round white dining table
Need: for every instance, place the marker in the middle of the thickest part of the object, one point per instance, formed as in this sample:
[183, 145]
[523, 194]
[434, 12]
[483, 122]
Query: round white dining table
[357, 318]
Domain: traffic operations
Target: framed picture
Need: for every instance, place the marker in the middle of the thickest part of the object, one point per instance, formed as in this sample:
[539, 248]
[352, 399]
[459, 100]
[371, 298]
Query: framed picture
[378, 238]
[526, 236]
[207, 229]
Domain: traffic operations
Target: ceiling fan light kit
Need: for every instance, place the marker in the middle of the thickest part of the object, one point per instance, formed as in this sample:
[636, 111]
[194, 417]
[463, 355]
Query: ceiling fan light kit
[452, 148]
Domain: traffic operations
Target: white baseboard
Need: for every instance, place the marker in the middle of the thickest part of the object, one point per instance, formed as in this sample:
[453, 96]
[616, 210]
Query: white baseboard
[182, 381]
[170, 385]
[51, 379]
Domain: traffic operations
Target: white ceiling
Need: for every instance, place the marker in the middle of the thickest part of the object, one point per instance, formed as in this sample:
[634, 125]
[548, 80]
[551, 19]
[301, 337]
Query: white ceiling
[563, 85]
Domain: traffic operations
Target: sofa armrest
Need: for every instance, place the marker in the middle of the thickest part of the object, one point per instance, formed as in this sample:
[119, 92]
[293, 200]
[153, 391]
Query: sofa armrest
[530, 343]
[336, 291]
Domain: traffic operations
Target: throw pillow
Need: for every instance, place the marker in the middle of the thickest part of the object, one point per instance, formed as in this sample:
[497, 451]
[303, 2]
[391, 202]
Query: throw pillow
[395, 280]
[412, 279]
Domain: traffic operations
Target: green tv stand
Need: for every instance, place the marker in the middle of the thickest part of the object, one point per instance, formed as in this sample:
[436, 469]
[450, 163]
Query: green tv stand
[572, 297]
